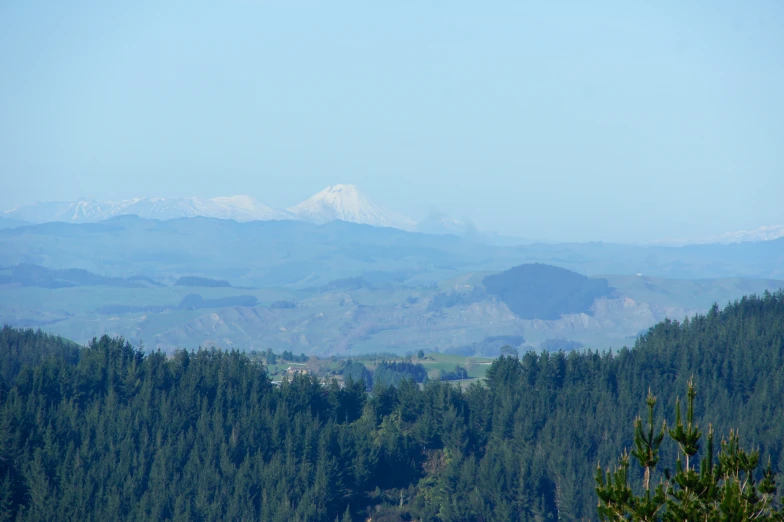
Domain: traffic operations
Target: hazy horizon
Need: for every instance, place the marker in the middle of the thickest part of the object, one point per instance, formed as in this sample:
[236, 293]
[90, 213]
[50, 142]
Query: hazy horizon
[672, 240]
[617, 122]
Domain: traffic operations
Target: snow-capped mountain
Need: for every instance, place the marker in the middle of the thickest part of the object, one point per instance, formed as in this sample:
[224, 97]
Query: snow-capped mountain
[244, 208]
[764, 233]
[81, 210]
[239, 208]
[347, 203]
[343, 202]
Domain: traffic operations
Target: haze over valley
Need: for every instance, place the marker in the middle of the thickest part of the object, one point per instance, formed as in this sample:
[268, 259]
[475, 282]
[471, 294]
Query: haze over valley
[342, 202]
[338, 275]
[299, 261]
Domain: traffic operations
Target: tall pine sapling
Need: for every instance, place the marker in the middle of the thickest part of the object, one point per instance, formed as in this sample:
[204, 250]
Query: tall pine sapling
[616, 499]
[687, 436]
[719, 489]
[646, 445]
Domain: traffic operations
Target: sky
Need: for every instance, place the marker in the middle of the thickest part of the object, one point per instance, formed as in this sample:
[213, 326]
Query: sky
[611, 121]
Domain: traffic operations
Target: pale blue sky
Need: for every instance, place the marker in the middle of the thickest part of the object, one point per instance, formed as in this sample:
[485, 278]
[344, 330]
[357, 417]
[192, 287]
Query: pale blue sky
[560, 120]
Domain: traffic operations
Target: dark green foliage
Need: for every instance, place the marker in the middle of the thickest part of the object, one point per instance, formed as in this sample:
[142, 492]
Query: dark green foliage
[537, 291]
[287, 355]
[120, 435]
[547, 416]
[270, 357]
[197, 302]
[391, 373]
[111, 433]
[20, 348]
[447, 300]
[34, 275]
[718, 489]
[282, 305]
[647, 442]
[345, 284]
[489, 346]
[356, 371]
[455, 375]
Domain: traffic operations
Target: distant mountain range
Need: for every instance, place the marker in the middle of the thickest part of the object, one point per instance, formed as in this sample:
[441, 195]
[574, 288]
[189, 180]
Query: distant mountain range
[336, 202]
[764, 233]
[239, 208]
[343, 286]
[340, 202]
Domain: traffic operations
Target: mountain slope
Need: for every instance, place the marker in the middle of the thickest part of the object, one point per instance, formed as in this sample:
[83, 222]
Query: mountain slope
[764, 233]
[336, 202]
[347, 203]
[238, 208]
[79, 211]
[6, 222]
[537, 291]
[269, 253]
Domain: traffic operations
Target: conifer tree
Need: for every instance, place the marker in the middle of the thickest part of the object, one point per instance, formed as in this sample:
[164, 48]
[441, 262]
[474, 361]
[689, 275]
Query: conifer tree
[6, 497]
[720, 489]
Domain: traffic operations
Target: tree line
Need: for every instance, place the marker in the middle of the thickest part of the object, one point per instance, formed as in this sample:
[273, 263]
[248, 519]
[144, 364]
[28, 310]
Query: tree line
[110, 432]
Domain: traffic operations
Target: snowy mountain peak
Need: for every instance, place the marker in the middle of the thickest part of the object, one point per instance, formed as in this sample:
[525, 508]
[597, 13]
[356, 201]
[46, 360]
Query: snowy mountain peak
[80, 210]
[347, 203]
[346, 197]
[239, 208]
[341, 188]
[343, 202]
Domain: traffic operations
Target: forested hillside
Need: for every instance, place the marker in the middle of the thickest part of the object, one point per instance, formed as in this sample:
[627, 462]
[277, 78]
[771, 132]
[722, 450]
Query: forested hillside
[537, 291]
[111, 433]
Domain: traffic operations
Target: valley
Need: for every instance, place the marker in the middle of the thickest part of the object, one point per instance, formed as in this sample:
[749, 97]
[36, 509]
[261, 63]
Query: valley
[338, 275]
[390, 262]
[349, 317]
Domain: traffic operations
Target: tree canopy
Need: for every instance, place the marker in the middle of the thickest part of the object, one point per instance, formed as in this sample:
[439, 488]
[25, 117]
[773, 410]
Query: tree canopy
[111, 432]
[727, 486]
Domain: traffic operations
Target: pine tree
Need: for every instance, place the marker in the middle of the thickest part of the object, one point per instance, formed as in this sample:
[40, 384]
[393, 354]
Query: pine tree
[6, 498]
[718, 489]
[347, 515]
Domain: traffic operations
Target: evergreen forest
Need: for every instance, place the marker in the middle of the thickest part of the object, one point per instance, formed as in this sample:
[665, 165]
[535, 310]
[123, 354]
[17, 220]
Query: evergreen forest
[110, 432]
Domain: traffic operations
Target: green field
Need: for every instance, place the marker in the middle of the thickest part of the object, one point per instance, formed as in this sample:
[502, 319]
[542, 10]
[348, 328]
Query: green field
[327, 368]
